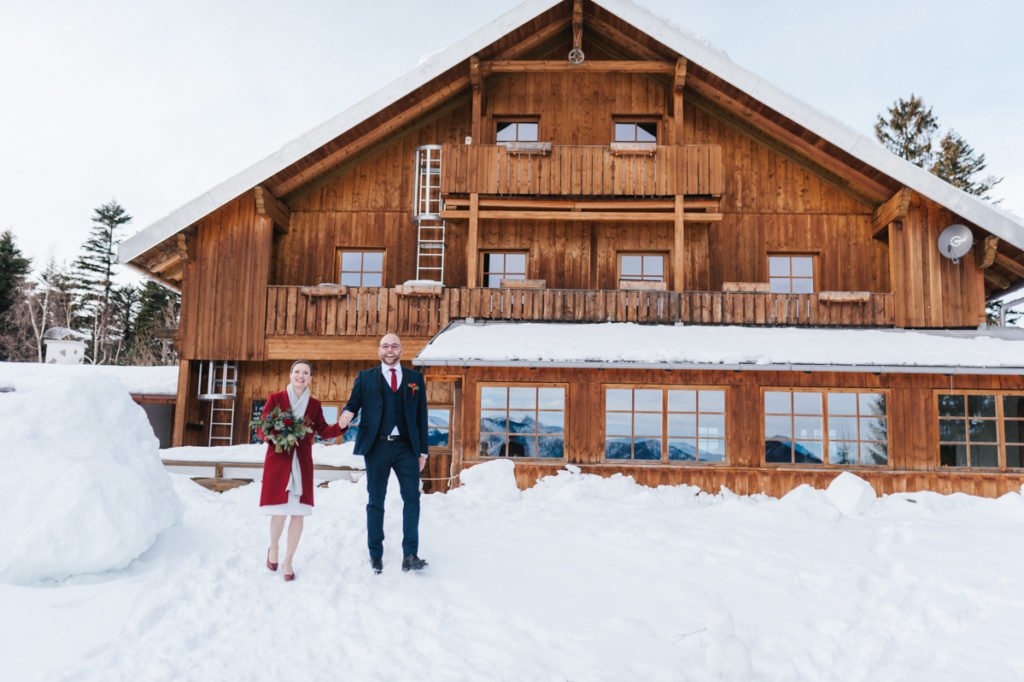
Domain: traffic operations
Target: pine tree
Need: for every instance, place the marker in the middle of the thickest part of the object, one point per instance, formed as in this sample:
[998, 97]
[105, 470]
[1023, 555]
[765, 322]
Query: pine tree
[909, 129]
[13, 269]
[157, 310]
[94, 280]
[957, 163]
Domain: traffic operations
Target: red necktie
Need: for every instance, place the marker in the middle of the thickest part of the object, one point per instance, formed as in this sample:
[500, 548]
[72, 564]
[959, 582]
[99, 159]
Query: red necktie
[394, 381]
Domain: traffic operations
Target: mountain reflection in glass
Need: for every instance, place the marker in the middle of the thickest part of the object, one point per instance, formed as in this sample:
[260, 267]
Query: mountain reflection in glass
[522, 421]
[655, 424]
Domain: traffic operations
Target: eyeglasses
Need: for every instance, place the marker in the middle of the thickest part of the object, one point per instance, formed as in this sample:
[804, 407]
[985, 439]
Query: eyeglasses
[390, 346]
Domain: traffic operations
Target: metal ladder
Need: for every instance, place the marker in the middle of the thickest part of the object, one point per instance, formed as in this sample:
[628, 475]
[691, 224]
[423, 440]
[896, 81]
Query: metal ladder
[426, 211]
[218, 385]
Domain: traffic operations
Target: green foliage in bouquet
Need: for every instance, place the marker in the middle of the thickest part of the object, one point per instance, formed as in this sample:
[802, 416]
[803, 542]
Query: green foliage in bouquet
[281, 428]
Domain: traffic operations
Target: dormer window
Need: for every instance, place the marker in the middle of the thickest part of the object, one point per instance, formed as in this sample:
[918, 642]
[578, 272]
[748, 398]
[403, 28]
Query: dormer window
[511, 130]
[634, 131]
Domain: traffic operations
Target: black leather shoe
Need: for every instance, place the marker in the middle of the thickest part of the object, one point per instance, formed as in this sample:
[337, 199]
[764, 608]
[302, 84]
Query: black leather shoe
[377, 565]
[413, 563]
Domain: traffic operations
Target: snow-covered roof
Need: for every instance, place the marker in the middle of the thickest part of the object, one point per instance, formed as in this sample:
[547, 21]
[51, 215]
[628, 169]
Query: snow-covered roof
[136, 380]
[626, 344]
[1000, 223]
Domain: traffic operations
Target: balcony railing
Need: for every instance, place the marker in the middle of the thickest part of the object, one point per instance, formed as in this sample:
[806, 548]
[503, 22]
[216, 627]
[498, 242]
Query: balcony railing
[373, 311]
[582, 171]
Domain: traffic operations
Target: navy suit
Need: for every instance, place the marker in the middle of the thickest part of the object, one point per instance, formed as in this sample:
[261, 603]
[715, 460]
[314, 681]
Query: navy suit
[382, 411]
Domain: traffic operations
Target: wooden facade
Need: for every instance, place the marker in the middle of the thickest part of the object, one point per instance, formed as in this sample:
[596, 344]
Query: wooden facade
[728, 185]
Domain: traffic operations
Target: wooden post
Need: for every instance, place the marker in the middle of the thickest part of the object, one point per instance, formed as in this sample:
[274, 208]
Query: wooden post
[679, 278]
[471, 241]
[476, 81]
[180, 406]
[678, 136]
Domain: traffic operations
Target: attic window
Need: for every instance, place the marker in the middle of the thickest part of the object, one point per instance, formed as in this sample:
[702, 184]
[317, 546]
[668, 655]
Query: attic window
[790, 273]
[636, 131]
[516, 130]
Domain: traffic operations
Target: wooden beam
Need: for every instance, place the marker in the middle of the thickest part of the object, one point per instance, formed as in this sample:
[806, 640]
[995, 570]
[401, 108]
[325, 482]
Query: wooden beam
[1010, 265]
[269, 205]
[577, 25]
[600, 216]
[535, 40]
[167, 263]
[558, 65]
[178, 430]
[895, 208]
[790, 145]
[476, 82]
[370, 138]
[584, 205]
[472, 241]
[678, 84]
[336, 347]
[603, 28]
[996, 279]
[987, 255]
[679, 278]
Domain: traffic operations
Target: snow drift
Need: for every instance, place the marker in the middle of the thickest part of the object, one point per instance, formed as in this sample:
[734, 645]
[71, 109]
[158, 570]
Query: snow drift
[86, 491]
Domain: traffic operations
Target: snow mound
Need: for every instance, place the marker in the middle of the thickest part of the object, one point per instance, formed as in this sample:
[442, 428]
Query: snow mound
[492, 480]
[851, 494]
[85, 489]
[726, 657]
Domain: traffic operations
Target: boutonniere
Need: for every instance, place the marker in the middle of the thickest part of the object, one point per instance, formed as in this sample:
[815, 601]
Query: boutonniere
[413, 388]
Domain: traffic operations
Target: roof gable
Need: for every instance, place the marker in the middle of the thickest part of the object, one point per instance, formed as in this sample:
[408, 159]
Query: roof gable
[312, 152]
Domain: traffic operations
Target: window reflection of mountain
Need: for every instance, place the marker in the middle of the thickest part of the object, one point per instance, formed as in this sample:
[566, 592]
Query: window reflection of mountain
[780, 449]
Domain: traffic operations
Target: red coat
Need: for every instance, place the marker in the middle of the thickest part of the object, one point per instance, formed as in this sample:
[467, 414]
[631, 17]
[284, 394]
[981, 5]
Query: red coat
[277, 466]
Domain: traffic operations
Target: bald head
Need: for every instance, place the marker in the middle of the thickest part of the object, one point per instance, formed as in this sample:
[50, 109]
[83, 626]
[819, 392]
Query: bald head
[390, 349]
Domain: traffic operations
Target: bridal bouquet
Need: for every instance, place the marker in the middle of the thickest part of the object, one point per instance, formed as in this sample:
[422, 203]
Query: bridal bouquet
[281, 428]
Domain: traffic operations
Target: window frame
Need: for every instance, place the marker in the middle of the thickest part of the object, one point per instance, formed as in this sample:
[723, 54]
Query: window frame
[523, 384]
[340, 404]
[789, 253]
[438, 449]
[517, 119]
[636, 120]
[664, 265]
[999, 419]
[665, 388]
[504, 252]
[824, 391]
[339, 256]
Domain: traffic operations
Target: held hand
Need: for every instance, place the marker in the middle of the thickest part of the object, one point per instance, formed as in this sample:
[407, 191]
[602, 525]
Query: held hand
[345, 419]
[423, 461]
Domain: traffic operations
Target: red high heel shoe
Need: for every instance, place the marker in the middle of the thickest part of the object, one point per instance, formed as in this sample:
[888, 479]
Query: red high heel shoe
[272, 565]
[288, 577]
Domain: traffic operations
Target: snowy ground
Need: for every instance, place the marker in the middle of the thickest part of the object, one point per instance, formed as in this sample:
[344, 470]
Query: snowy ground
[580, 578]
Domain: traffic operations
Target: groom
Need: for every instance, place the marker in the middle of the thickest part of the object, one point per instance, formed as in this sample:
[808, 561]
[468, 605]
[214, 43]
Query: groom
[392, 435]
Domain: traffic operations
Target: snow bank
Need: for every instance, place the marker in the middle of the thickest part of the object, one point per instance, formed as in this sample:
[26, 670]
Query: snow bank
[86, 491]
[851, 494]
[138, 380]
[341, 455]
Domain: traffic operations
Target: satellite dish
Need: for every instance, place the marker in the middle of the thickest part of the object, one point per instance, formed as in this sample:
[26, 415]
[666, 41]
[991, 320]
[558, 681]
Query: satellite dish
[955, 241]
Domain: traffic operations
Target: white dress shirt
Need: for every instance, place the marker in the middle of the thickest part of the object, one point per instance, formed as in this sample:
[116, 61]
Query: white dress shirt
[386, 371]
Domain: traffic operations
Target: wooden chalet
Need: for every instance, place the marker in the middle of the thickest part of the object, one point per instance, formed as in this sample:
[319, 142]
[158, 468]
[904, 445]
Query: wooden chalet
[585, 163]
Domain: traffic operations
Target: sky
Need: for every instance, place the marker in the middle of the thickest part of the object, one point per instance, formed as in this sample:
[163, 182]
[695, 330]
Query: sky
[152, 103]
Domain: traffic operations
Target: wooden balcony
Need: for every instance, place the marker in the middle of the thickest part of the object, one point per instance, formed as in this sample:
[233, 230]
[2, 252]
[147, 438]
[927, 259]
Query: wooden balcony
[581, 171]
[373, 311]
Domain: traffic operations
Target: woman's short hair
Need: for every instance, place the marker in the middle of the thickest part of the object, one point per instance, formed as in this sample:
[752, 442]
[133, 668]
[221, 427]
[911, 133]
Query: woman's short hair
[307, 363]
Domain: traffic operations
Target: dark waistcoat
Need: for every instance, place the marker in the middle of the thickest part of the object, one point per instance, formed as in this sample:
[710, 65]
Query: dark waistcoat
[394, 410]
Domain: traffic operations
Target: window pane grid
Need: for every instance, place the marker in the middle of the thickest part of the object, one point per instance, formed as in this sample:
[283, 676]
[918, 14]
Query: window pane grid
[825, 427]
[642, 267]
[636, 131]
[791, 274]
[516, 131]
[503, 265]
[678, 426]
[518, 421]
[977, 430]
[361, 268]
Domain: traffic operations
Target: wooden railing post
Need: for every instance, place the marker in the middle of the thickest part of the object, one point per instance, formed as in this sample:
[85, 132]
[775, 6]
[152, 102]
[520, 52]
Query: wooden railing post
[679, 279]
[472, 239]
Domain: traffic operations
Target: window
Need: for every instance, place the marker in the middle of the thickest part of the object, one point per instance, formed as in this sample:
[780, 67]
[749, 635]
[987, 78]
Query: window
[664, 424]
[847, 428]
[642, 267]
[439, 421]
[499, 266]
[516, 130]
[981, 430]
[645, 132]
[255, 410]
[522, 421]
[790, 274]
[361, 268]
